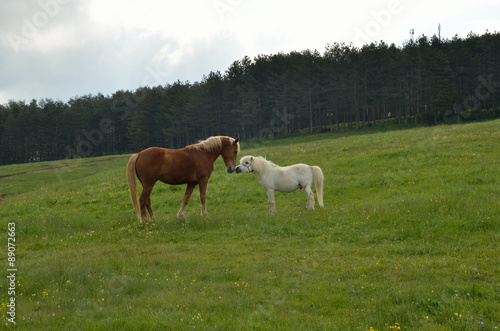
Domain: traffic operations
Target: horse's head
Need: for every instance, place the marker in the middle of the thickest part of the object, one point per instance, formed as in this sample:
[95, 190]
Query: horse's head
[229, 154]
[245, 165]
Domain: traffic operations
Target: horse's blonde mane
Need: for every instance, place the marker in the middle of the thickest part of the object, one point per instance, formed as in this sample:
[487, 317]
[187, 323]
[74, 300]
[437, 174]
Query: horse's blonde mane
[212, 143]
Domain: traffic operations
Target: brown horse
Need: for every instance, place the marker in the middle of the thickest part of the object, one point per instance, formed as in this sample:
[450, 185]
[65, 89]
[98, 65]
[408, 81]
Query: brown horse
[191, 165]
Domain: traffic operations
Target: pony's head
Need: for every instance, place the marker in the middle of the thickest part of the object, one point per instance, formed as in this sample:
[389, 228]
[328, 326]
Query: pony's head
[245, 165]
[230, 152]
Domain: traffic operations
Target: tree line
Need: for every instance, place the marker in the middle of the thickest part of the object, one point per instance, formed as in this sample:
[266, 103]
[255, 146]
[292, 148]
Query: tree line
[424, 82]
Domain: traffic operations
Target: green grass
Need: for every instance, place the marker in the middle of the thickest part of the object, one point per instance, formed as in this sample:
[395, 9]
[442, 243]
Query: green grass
[409, 238]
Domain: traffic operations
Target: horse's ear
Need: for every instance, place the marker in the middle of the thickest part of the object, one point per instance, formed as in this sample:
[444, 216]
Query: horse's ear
[236, 140]
[251, 159]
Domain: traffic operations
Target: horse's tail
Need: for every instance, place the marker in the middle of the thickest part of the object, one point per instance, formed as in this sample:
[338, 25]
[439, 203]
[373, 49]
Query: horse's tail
[132, 183]
[318, 182]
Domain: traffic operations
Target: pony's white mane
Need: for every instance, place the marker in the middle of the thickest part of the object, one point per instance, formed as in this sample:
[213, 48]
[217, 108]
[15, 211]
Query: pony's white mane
[262, 164]
[264, 160]
[211, 144]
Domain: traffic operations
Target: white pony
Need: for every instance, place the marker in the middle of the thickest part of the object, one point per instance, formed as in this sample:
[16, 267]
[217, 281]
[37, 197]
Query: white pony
[284, 179]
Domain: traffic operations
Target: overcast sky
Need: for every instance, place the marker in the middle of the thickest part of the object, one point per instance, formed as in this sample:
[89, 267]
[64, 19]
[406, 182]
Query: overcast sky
[61, 49]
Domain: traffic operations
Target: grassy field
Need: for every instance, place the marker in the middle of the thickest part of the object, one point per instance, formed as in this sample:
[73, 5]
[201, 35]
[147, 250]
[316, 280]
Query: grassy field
[408, 239]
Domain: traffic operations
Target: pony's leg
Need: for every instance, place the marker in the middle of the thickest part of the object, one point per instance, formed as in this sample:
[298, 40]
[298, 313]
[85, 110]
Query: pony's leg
[310, 197]
[203, 197]
[145, 201]
[270, 199]
[185, 200]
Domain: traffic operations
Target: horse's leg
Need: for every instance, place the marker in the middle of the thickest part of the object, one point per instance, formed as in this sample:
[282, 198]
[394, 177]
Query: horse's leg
[145, 201]
[310, 197]
[185, 200]
[203, 196]
[150, 211]
[270, 199]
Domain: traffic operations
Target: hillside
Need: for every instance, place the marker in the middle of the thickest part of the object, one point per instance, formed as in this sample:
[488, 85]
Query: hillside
[427, 81]
[409, 238]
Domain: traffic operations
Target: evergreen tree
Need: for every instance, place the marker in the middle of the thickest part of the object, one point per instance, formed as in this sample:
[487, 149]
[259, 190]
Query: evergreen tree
[427, 81]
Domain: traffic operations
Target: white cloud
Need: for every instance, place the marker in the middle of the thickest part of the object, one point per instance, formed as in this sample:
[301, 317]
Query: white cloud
[74, 47]
[180, 19]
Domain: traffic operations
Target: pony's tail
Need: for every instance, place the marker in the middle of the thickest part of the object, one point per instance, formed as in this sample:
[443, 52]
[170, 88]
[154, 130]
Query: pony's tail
[132, 183]
[318, 182]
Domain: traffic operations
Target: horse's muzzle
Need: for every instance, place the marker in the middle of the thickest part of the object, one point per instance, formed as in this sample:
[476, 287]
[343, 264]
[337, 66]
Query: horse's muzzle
[238, 169]
[230, 169]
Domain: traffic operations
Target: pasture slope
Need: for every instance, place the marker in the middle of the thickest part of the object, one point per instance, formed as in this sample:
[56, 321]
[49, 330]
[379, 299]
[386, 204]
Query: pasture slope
[408, 239]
